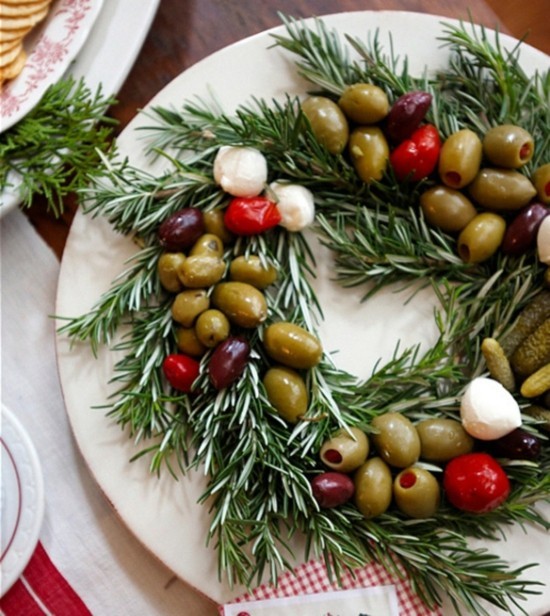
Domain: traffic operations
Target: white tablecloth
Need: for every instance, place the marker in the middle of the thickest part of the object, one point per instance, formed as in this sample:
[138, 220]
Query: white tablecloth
[108, 568]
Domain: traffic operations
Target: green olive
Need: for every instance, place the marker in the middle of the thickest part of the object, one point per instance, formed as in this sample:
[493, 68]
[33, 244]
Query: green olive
[287, 392]
[212, 327]
[328, 123]
[481, 237]
[460, 158]
[442, 439]
[364, 103]
[416, 492]
[541, 181]
[243, 304]
[214, 224]
[188, 304]
[188, 343]
[252, 270]
[447, 208]
[346, 450]
[369, 152]
[201, 271]
[373, 487]
[168, 266]
[396, 439]
[501, 189]
[508, 146]
[292, 345]
[209, 245]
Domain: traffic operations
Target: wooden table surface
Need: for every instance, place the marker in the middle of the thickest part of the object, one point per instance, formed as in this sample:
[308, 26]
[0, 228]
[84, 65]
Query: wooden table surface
[184, 32]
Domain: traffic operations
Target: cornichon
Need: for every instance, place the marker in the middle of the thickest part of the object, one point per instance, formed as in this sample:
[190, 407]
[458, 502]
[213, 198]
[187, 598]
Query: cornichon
[498, 364]
[528, 320]
[533, 352]
[536, 384]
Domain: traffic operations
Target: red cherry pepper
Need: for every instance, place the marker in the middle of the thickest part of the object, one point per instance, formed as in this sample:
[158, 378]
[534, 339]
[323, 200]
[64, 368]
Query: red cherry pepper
[181, 371]
[475, 482]
[251, 215]
[416, 157]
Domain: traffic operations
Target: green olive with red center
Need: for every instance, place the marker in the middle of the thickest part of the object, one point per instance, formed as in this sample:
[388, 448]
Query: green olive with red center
[501, 189]
[252, 270]
[541, 181]
[395, 439]
[508, 146]
[481, 237]
[417, 493]
[328, 123]
[369, 152]
[168, 268]
[373, 487]
[364, 103]
[212, 327]
[442, 439]
[447, 208]
[460, 158]
[346, 450]
[287, 392]
[188, 304]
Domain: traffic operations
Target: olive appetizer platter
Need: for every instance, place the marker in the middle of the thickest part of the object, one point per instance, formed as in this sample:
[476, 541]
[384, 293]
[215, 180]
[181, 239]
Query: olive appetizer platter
[275, 347]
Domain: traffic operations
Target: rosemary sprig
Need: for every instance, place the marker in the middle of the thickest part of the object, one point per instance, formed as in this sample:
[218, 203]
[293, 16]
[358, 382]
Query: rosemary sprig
[258, 468]
[54, 149]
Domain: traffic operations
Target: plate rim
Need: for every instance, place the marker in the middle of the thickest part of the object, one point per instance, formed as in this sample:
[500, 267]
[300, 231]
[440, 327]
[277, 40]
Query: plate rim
[33, 525]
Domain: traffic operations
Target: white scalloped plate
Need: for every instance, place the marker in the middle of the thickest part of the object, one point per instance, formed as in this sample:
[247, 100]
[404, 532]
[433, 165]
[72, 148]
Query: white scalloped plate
[163, 513]
[51, 47]
[22, 502]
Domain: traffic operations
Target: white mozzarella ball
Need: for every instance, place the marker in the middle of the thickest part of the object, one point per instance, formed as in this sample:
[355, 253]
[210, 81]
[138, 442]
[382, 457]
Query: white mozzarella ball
[240, 171]
[488, 411]
[295, 204]
[543, 241]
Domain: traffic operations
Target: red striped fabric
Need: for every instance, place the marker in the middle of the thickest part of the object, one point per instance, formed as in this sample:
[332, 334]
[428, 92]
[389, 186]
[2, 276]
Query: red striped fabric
[42, 590]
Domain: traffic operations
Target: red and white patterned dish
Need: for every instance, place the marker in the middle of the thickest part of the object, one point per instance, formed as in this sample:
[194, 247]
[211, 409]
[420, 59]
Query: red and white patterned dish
[50, 48]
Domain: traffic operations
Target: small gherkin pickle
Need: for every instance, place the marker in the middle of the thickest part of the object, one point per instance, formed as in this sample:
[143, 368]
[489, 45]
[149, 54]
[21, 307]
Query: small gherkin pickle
[540, 414]
[533, 315]
[537, 383]
[497, 363]
[534, 352]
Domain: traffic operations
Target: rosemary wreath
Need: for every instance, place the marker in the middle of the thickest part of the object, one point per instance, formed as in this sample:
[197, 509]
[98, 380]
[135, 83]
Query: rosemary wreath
[259, 472]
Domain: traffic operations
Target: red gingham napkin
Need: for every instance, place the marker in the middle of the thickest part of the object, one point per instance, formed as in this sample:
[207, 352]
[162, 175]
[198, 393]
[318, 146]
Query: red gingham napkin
[40, 590]
[311, 577]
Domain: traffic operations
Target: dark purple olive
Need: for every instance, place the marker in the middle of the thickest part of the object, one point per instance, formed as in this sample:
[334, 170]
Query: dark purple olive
[405, 115]
[182, 229]
[516, 445]
[521, 233]
[228, 361]
[332, 489]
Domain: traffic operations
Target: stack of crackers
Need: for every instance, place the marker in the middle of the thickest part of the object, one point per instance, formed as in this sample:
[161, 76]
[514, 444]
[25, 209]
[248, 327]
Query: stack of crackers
[17, 19]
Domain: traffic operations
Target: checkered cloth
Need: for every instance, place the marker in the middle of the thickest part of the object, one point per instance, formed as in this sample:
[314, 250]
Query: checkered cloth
[312, 577]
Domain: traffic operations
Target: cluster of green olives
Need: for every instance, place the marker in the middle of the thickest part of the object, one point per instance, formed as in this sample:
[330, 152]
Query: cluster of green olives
[389, 473]
[211, 292]
[484, 197]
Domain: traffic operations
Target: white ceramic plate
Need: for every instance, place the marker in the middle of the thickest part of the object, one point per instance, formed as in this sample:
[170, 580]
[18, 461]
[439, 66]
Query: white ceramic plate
[51, 47]
[119, 32]
[22, 506]
[163, 513]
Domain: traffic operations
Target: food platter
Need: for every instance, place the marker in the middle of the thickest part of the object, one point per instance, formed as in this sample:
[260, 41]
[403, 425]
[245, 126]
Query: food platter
[163, 513]
[50, 48]
[22, 498]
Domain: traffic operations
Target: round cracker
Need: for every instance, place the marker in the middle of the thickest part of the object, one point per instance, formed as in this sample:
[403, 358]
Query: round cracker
[6, 46]
[15, 23]
[9, 56]
[22, 10]
[14, 68]
[13, 35]
[24, 1]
